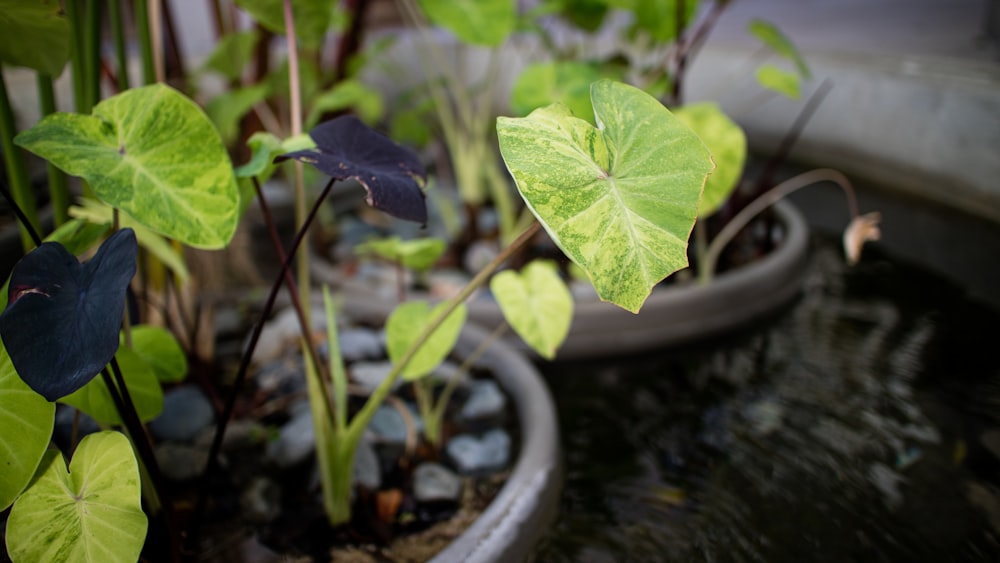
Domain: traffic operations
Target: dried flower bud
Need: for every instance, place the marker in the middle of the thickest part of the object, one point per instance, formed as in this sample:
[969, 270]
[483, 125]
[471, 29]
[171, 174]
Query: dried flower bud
[862, 229]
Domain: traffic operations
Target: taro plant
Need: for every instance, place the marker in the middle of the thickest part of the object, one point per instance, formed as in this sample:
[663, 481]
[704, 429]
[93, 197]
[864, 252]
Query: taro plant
[620, 199]
[157, 172]
[654, 51]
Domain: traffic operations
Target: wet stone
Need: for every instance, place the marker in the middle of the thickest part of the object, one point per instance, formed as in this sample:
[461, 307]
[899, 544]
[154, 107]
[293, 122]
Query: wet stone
[389, 427]
[261, 500]
[357, 344]
[366, 471]
[486, 401]
[282, 376]
[181, 462]
[435, 482]
[296, 440]
[369, 375]
[186, 411]
[471, 454]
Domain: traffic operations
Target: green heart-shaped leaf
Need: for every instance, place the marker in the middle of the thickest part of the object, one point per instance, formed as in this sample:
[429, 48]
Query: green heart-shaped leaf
[232, 54]
[152, 153]
[537, 304]
[313, 18]
[481, 22]
[620, 199]
[160, 350]
[541, 84]
[93, 513]
[143, 387]
[35, 34]
[417, 254]
[784, 82]
[770, 35]
[728, 145]
[26, 418]
[407, 321]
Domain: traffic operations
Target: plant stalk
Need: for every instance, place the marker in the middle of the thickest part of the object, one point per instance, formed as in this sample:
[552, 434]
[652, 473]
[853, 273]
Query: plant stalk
[17, 172]
[767, 199]
[58, 186]
[241, 374]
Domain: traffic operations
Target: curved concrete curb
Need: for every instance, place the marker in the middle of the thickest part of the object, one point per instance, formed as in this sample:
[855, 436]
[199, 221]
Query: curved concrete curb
[684, 313]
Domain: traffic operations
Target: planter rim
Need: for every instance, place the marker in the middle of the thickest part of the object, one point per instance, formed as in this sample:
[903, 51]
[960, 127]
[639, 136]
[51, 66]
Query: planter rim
[681, 314]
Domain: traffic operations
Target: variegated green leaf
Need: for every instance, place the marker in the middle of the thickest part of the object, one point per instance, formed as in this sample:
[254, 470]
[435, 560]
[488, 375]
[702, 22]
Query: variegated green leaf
[728, 145]
[619, 199]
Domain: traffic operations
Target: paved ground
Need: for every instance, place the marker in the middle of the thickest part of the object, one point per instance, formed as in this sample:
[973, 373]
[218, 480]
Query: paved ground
[945, 28]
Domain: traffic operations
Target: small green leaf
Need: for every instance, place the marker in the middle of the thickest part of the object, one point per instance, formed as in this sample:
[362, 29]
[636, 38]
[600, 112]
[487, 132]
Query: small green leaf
[659, 17]
[35, 34]
[349, 94]
[770, 35]
[227, 109]
[160, 350]
[779, 80]
[537, 304]
[26, 418]
[620, 199]
[541, 84]
[407, 321]
[92, 513]
[152, 153]
[480, 22]
[417, 254]
[232, 53]
[728, 145]
[313, 18]
[98, 213]
[264, 147]
[94, 399]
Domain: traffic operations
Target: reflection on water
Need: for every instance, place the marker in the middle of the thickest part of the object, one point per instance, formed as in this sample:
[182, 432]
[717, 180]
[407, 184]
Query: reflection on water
[862, 424]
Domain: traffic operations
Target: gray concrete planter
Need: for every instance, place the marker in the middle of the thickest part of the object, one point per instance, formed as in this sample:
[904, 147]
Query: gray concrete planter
[684, 313]
[521, 512]
[672, 315]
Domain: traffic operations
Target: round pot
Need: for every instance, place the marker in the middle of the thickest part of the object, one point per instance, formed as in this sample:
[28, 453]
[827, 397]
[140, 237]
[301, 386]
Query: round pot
[509, 528]
[687, 312]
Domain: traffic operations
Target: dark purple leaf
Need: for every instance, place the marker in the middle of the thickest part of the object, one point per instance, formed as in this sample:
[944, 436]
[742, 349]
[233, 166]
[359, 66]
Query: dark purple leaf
[391, 174]
[61, 324]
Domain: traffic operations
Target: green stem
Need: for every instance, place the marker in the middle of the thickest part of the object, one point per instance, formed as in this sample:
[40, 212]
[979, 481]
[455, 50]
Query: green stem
[434, 416]
[58, 185]
[17, 172]
[76, 52]
[121, 54]
[92, 55]
[145, 41]
[767, 199]
[295, 119]
[361, 420]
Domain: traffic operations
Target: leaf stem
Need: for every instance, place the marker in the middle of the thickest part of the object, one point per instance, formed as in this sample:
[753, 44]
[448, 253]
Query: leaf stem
[361, 419]
[17, 173]
[767, 199]
[244, 367]
[130, 418]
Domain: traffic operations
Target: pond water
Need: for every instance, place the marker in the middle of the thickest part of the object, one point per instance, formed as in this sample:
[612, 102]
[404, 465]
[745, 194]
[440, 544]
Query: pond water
[861, 423]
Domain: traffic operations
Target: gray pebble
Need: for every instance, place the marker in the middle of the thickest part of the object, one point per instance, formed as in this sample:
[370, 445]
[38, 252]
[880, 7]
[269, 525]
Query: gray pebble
[186, 411]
